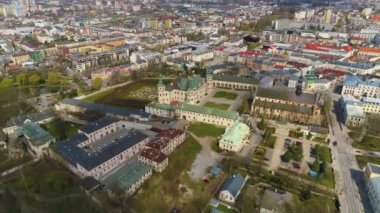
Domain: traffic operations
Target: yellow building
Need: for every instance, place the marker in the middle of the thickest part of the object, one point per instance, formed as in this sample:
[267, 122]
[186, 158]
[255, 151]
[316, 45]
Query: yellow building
[20, 58]
[168, 24]
[327, 16]
[371, 105]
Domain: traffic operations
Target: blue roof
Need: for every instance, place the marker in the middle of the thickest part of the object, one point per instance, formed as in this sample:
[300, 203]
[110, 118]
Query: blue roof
[280, 72]
[113, 149]
[352, 65]
[215, 170]
[99, 124]
[70, 151]
[352, 81]
[233, 184]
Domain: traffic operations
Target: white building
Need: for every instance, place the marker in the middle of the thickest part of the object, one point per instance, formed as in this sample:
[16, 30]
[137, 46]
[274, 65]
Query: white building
[100, 147]
[372, 182]
[353, 113]
[234, 137]
[231, 188]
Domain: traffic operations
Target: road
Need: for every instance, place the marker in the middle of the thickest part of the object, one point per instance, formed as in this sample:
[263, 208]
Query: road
[345, 166]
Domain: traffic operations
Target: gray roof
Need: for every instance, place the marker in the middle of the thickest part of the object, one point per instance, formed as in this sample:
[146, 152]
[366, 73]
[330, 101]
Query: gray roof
[70, 151]
[286, 95]
[233, 184]
[99, 124]
[237, 79]
[33, 117]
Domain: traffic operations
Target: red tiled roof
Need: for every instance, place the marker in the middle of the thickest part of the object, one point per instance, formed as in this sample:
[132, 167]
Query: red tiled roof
[331, 71]
[371, 50]
[153, 154]
[375, 18]
[326, 48]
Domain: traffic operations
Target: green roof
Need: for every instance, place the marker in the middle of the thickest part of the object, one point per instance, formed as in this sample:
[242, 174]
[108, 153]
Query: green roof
[35, 134]
[232, 78]
[133, 173]
[185, 83]
[284, 107]
[235, 133]
[209, 111]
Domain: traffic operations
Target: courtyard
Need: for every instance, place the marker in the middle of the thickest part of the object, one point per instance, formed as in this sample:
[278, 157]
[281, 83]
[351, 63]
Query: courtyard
[225, 99]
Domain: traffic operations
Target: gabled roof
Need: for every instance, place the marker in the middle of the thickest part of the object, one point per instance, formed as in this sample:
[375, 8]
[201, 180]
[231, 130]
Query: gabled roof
[233, 184]
[98, 124]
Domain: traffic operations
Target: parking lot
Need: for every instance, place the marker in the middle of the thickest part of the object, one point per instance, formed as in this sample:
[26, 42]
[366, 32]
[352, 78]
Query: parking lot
[283, 143]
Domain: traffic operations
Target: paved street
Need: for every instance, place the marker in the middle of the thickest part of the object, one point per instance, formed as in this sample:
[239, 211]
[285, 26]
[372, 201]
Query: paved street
[347, 172]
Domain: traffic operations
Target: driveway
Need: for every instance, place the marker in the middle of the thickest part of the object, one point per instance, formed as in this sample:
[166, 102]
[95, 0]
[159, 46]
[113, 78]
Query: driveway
[205, 159]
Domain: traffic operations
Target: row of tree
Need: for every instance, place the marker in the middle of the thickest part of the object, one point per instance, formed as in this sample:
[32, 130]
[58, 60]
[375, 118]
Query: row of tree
[35, 79]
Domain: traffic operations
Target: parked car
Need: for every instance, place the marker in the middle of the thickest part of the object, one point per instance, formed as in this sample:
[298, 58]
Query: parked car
[296, 165]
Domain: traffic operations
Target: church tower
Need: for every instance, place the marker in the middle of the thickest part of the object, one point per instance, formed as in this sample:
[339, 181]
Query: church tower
[299, 85]
[160, 89]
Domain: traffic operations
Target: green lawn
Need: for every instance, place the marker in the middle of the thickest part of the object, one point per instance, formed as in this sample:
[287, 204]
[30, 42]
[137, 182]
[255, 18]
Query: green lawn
[324, 153]
[45, 186]
[162, 192]
[60, 129]
[216, 105]
[369, 143]
[269, 141]
[226, 95]
[203, 130]
[97, 96]
[133, 95]
[364, 159]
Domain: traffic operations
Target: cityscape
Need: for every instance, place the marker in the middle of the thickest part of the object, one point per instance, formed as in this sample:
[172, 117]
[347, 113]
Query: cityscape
[185, 106]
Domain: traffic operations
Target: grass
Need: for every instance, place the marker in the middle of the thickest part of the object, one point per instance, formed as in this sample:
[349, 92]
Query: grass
[134, 95]
[226, 95]
[369, 143]
[364, 159]
[217, 106]
[203, 130]
[162, 191]
[314, 204]
[45, 186]
[324, 153]
[60, 129]
[7, 163]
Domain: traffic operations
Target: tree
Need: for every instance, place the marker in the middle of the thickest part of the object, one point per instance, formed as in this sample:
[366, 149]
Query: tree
[97, 83]
[53, 78]
[316, 165]
[21, 79]
[34, 79]
[262, 124]
[6, 82]
[305, 194]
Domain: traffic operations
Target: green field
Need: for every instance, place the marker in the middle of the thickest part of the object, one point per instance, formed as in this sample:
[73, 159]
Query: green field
[46, 186]
[226, 95]
[369, 143]
[217, 106]
[133, 95]
[162, 192]
[364, 159]
[203, 130]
